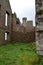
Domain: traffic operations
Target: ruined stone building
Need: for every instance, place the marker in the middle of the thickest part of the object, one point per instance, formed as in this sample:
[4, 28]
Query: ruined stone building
[5, 21]
[10, 27]
[39, 26]
[24, 32]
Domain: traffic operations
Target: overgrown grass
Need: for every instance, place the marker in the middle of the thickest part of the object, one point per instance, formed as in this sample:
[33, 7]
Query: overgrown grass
[41, 60]
[19, 54]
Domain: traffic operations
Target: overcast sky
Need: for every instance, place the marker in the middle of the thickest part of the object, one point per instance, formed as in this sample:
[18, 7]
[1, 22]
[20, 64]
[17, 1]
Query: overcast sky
[24, 8]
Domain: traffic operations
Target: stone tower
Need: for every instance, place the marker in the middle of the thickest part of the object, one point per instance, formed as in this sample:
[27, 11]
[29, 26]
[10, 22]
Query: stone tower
[39, 26]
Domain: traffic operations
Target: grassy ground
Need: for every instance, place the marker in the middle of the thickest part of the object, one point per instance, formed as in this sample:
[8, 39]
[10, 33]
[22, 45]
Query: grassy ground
[19, 54]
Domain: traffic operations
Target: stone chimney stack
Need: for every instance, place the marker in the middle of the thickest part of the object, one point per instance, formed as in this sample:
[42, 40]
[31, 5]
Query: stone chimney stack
[24, 19]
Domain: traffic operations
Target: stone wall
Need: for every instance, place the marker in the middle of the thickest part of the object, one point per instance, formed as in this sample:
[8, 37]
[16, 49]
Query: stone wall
[39, 26]
[24, 32]
[5, 8]
[23, 37]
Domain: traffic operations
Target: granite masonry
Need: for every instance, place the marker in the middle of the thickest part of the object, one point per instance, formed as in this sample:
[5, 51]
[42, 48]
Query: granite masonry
[39, 26]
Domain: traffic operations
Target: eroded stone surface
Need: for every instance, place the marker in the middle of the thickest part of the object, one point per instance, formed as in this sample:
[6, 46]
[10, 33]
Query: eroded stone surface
[39, 26]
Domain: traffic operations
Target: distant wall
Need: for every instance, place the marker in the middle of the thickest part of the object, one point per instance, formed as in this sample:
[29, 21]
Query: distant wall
[23, 37]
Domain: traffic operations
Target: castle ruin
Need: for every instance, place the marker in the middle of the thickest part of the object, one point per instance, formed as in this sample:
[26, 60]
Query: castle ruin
[10, 27]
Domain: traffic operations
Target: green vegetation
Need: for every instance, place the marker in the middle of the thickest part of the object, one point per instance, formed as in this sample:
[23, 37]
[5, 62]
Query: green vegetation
[19, 54]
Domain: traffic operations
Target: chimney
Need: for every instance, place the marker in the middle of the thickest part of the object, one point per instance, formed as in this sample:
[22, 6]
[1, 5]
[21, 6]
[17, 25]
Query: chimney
[24, 19]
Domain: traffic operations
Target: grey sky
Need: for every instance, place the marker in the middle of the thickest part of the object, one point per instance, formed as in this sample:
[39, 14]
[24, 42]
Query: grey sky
[24, 8]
